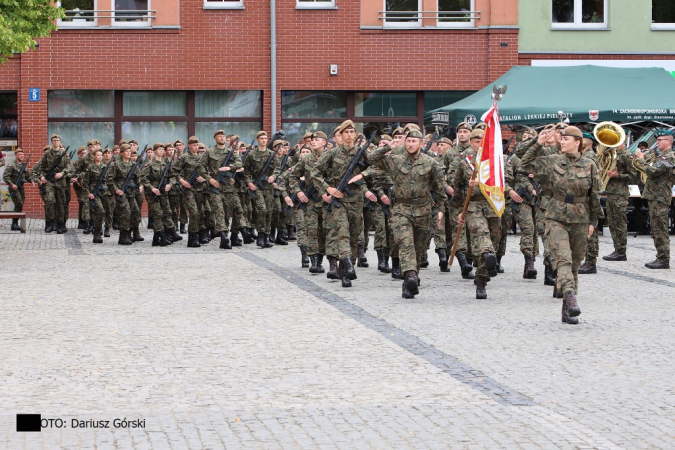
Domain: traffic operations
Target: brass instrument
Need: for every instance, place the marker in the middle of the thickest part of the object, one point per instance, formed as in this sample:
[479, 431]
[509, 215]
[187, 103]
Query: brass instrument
[610, 136]
[650, 157]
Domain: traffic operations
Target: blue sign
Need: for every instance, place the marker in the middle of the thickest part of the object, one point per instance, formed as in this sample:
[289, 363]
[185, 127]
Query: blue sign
[33, 94]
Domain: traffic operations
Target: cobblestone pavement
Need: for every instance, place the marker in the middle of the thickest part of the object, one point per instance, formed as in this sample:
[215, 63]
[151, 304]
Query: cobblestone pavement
[244, 349]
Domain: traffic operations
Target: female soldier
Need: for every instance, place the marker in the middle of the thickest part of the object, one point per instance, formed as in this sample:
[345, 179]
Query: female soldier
[573, 211]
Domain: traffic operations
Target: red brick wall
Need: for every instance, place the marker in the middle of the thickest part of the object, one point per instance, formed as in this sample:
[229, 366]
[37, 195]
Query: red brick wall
[230, 49]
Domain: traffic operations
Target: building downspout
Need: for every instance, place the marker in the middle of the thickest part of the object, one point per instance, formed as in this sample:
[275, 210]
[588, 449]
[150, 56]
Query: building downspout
[273, 57]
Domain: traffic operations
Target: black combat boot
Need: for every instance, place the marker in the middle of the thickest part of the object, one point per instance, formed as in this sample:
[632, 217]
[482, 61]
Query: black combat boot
[313, 268]
[15, 225]
[380, 259]
[549, 278]
[500, 269]
[87, 227]
[291, 233]
[615, 256]
[253, 233]
[272, 234]
[137, 235]
[203, 239]
[116, 224]
[412, 282]
[529, 272]
[280, 239]
[396, 269]
[490, 263]
[566, 316]
[106, 231]
[464, 264]
[213, 234]
[343, 272]
[481, 291]
[49, 226]
[224, 241]
[61, 228]
[98, 238]
[182, 228]
[163, 241]
[261, 240]
[248, 239]
[304, 260]
[193, 240]
[319, 262]
[442, 260]
[571, 301]
[80, 222]
[348, 268]
[124, 238]
[155, 239]
[425, 261]
[151, 223]
[175, 237]
[588, 268]
[266, 241]
[332, 270]
[234, 239]
[362, 260]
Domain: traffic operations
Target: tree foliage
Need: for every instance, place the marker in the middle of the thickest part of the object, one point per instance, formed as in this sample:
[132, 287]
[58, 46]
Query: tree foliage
[22, 21]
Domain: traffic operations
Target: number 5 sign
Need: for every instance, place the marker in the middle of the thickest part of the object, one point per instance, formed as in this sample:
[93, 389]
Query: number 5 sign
[33, 94]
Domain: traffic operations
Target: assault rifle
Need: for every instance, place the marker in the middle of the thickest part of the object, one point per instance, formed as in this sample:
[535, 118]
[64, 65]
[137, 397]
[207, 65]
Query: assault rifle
[282, 168]
[162, 181]
[20, 180]
[309, 192]
[427, 147]
[49, 176]
[343, 185]
[262, 176]
[127, 180]
[100, 183]
[522, 192]
[220, 178]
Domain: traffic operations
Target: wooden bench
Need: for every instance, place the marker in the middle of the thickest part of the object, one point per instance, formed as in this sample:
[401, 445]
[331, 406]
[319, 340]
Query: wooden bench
[15, 215]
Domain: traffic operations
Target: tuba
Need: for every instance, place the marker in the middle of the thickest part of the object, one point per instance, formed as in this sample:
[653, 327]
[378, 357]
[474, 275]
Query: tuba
[610, 136]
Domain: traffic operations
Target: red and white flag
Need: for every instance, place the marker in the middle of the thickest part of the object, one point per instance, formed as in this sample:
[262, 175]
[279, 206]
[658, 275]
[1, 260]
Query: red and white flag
[490, 160]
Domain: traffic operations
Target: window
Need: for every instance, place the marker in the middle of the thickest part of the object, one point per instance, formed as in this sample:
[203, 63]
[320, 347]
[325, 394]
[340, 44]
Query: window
[245, 130]
[457, 13]
[579, 14]
[131, 13]
[663, 15]
[296, 130]
[402, 13]
[146, 132]
[79, 13]
[9, 113]
[385, 104]
[74, 134]
[228, 104]
[155, 103]
[311, 104]
[223, 4]
[79, 115]
[315, 4]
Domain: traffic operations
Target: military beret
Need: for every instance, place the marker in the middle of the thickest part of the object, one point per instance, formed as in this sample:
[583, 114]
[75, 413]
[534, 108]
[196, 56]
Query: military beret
[464, 126]
[134, 152]
[178, 141]
[124, 147]
[107, 150]
[346, 125]
[47, 147]
[561, 125]
[233, 138]
[411, 126]
[477, 134]
[218, 132]
[157, 145]
[115, 147]
[664, 132]
[307, 135]
[385, 137]
[571, 131]
[92, 142]
[193, 140]
[18, 149]
[201, 146]
[278, 142]
[80, 148]
[336, 130]
[122, 141]
[414, 134]
[445, 140]
[398, 132]
[133, 141]
[55, 136]
[241, 144]
[530, 131]
[260, 133]
[319, 135]
[168, 144]
[588, 135]
[481, 125]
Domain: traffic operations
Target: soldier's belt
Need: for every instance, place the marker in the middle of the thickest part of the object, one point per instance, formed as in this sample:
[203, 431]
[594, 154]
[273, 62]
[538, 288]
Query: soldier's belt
[413, 201]
[570, 198]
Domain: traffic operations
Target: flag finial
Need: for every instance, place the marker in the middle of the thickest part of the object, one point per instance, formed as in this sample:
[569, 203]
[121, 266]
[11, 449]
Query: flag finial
[498, 92]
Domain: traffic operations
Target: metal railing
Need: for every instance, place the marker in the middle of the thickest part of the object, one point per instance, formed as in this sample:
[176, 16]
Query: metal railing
[89, 15]
[462, 16]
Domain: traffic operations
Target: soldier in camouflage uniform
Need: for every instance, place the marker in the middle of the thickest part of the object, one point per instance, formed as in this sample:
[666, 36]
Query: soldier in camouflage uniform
[279, 221]
[83, 159]
[108, 200]
[442, 234]
[520, 181]
[137, 188]
[244, 199]
[183, 170]
[126, 206]
[16, 192]
[208, 218]
[158, 202]
[482, 221]
[414, 176]
[174, 193]
[54, 191]
[89, 178]
[326, 175]
[573, 211]
[183, 207]
[593, 249]
[658, 191]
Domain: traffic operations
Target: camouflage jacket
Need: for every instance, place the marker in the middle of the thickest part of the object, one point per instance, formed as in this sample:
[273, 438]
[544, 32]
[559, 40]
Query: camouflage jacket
[48, 160]
[330, 167]
[627, 174]
[12, 173]
[211, 162]
[303, 169]
[151, 175]
[81, 164]
[544, 190]
[184, 167]
[574, 182]
[660, 177]
[414, 179]
[254, 163]
[91, 175]
[463, 174]
[517, 179]
[119, 171]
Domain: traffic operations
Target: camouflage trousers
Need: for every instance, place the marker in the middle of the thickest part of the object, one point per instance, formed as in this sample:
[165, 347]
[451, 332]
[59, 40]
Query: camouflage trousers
[263, 207]
[315, 225]
[66, 207]
[411, 232]
[139, 202]
[174, 205]
[223, 206]
[84, 202]
[567, 244]
[593, 248]
[54, 198]
[368, 221]
[540, 223]
[485, 229]
[462, 244]
[348, 224]
[617, 207]
[209, 219]
[299, 217]
[18, 197]
[525, 219]
[383, 236]
[97, 211]
[183, 210]
[279, 218]
[160, 212]
[127, 208]
[506, 225]
[246, 207]
[194, 205]
[658, 217]
[110, 208]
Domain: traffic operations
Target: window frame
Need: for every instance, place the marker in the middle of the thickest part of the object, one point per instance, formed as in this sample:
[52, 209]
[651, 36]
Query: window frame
[223, 4]
[470, 24]
[661, 26]
[315, 4]
[577, 24]
[85, 24]
[121, 24]
[408, 24]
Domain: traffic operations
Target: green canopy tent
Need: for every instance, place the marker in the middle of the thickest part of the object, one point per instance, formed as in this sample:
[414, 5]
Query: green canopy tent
[584, 93]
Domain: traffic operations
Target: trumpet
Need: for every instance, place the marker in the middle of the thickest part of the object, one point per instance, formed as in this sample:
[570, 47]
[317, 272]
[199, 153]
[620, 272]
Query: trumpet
[649, 157]
[610, 136]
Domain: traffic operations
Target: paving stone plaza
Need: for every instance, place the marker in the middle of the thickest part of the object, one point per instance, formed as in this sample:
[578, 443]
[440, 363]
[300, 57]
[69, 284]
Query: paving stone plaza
[242, 348]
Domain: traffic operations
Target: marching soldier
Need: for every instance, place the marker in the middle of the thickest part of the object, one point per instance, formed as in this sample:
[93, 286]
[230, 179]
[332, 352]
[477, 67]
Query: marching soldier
[192, 188]
[593, 249]
[127, 208]
[16, 191]
[155, 194]
[83, 201]
[54, 165]
[90, 178]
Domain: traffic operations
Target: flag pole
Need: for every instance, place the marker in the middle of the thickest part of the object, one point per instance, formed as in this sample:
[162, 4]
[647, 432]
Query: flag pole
[497, 94]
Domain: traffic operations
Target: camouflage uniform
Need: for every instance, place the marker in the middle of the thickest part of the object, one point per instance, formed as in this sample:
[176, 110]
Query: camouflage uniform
[158, 206]
[183, 169]
[225, 204]
[54, 193]
[450, 161]
[617, 199]
[79, 166]
[262, 203]
[90, 178]
[126, 206]
[593, 242]
[10, 177]
[519, 180]
[658, 191]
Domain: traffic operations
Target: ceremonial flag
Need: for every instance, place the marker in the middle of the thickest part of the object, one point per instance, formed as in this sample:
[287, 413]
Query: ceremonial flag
[490, 160]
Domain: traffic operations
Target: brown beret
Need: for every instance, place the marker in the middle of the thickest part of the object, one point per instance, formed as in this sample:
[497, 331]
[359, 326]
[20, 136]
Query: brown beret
[193, 140]
[346, 125]
[307, 135]
[318, 135]
[414, 134]
[133, 141]
[481, 125]
[397, 132]
[168, 144]
[82, 147]
[278, 142]
[201, 146]
[18, 149]
[464, 126]
[411, 126]
[122, 141]
[218, 132]
[477, 134]
[124, 147]
[444, 140]
[157, 145]
[561, 125]
[385, 137]
[115, 147]
[178, 141]
[92, 142]
[571, 131]
[233, 138]
[47, 147]
[260, 133]
[55, 136]
[106, 150]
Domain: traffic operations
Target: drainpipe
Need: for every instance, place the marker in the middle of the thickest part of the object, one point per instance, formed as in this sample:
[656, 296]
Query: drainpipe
[273, 45]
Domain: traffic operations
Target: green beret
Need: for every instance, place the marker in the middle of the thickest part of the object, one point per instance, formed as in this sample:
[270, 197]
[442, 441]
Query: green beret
[664, 132]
